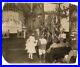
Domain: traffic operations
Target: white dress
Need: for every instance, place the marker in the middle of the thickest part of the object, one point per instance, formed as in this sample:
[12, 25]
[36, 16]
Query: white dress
[30, 45]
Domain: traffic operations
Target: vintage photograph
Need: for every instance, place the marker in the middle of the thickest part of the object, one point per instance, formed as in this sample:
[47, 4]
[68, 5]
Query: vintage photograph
[40, 32]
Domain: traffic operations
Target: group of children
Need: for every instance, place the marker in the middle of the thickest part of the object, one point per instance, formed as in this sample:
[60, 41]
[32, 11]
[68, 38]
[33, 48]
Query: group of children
[41, 43]
[31, 43]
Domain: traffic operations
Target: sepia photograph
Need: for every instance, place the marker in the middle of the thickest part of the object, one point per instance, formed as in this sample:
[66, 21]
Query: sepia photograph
[40, 33]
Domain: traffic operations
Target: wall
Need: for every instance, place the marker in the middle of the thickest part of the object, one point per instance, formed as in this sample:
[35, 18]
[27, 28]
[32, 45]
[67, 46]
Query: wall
[12, 21]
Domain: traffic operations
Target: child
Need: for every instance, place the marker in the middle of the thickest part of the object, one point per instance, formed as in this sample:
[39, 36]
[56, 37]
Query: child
[30, 46]
[42, 47]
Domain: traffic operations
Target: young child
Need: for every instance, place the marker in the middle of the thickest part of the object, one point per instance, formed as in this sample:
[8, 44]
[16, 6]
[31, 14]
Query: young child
[42, 47]
[30, 46]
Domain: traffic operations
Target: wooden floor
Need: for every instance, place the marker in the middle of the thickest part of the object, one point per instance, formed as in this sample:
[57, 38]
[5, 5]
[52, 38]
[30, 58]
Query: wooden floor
[13, 51]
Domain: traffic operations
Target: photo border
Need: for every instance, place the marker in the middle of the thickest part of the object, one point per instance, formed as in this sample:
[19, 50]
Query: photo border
[34, 1]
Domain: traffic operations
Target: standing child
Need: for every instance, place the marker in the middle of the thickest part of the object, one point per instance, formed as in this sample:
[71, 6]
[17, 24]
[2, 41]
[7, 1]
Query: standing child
[30, 46]
[42, 48]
